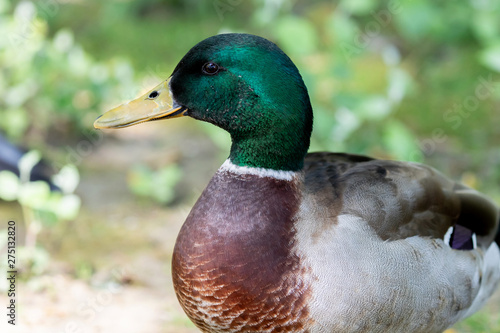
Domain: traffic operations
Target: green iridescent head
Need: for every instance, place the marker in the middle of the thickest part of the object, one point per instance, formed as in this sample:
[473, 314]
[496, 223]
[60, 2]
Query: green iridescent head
[242, 83]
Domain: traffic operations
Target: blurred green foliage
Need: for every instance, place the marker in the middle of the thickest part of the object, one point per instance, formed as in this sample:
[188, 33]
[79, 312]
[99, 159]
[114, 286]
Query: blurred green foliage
[50, 85]
[393, 79]
[364, 62]
[41, 207]
[158, 185]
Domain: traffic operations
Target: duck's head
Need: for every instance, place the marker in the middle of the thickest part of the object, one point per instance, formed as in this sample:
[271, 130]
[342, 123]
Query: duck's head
[242, 83]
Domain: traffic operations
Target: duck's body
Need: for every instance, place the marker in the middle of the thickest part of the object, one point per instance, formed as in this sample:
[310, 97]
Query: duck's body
[322, 252]
[281, 241]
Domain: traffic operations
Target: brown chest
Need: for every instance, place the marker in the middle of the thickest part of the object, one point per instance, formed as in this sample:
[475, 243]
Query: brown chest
[234, 266]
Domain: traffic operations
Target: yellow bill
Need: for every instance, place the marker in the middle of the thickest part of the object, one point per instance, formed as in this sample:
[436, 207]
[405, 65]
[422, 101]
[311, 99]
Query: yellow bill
[154, 105]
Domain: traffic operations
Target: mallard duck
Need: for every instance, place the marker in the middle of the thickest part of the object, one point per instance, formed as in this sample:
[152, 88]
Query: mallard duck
[286, 241]
[10, 155]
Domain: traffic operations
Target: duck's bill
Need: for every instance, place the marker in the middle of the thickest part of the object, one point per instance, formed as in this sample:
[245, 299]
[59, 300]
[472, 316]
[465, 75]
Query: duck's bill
[156, 104]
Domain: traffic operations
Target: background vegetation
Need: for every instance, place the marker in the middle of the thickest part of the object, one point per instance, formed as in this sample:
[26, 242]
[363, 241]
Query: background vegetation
[412, 80]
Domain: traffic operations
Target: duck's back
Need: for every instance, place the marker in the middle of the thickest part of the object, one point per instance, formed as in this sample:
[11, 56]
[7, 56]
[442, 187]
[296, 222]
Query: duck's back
[393, 246]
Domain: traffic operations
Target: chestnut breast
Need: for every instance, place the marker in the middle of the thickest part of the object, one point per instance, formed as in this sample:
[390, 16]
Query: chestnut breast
[234, 267]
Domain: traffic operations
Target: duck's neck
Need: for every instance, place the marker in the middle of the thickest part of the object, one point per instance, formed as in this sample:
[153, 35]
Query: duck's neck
[272, 152]
[281, 145]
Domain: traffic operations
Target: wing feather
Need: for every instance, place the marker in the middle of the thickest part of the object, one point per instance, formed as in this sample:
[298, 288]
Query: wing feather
[398, 199]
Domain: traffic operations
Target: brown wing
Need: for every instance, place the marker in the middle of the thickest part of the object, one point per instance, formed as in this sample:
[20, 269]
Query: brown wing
[398, 199]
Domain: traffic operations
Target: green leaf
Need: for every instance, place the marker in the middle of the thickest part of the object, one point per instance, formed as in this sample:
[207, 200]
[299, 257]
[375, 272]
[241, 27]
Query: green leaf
[139, 180]
[485, 25]
[4, 6]
[46, 216]
[68, 207]
[158, 185]
[34, 194]
[63, 40]
[67, 179]
[400, 142]
[9, 185]
[374, 108]
[342, 27]
[417, 20]
[399, 84]
[26, 164]
[15, 122]
[359, 7]
[166, 179]
[347, 123]
[296, 35]
[490, 57]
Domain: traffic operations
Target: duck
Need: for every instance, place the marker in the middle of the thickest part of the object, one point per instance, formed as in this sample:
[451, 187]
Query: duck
[10, 155]
[282, 240]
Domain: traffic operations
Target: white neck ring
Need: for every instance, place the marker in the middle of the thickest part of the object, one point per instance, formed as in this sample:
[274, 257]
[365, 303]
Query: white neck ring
[228, 166]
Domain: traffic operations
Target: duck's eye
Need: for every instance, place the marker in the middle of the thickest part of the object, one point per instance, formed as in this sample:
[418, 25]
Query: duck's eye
[153, 94]
[210, 68]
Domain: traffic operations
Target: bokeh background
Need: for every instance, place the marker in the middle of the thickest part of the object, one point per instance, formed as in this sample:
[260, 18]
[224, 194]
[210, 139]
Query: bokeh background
[412, 80]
